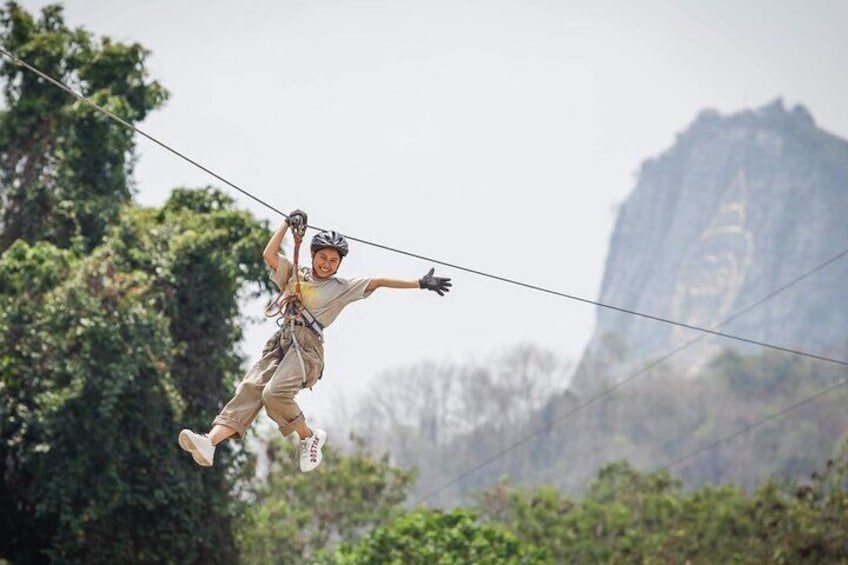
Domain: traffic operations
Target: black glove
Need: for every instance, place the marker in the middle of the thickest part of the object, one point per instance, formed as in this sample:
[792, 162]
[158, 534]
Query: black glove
[296, 218]
[436, 284]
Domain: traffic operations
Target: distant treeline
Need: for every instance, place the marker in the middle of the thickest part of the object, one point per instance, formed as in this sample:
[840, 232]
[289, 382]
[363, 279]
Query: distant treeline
[445, 418]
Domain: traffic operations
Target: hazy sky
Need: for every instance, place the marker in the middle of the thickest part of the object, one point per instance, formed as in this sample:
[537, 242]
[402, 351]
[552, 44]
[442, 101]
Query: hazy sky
[500, 135]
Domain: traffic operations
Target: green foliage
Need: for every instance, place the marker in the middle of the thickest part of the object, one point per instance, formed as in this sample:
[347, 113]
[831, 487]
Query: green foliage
[85, 385]
[435, 537]
[201, 251]
[91, 385]
[627, 516]
[805, 521]
[27, 388]
[292, 515]
[118, 325]
[109, 356]
[65, 168]
[535, 517]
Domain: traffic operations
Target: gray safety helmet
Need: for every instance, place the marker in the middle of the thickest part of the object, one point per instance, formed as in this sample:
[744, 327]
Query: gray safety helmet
[329, 240]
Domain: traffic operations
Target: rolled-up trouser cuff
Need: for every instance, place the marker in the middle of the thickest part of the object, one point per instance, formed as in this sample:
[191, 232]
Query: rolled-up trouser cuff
[241, 429]
[291, 426]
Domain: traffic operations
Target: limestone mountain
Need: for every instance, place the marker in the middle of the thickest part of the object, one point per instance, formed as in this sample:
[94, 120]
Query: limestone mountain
[739, 206]
[736, 209]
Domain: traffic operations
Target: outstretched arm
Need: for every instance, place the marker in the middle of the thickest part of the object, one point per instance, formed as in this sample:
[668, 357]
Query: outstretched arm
[390, 283]
[441, 285]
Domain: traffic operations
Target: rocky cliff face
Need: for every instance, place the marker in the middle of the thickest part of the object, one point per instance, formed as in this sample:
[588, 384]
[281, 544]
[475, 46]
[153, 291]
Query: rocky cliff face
[738, 207]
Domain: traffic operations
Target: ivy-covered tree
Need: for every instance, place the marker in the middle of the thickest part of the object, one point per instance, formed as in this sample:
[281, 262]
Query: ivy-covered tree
[93, 394]
[203, 253]
[65, 168]
[119, 324]
[28, 387]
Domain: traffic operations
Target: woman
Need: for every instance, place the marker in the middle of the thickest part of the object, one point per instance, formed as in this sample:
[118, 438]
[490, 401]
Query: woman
[294, 356]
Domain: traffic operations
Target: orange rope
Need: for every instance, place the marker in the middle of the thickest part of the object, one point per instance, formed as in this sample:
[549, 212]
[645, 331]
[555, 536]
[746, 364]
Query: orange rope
[298, 238]
[290, 305]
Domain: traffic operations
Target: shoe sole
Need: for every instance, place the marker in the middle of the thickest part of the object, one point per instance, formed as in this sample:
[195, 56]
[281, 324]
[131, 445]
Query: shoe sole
[321, 442]
[188, 445]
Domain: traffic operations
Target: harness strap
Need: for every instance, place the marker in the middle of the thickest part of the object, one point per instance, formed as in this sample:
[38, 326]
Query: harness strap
[299, 354]
[289, 308]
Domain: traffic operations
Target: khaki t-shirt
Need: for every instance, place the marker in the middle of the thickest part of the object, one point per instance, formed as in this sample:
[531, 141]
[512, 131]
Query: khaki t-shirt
[325, 298]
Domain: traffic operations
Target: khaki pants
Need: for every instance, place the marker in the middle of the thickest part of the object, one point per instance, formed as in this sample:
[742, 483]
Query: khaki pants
[274, 381]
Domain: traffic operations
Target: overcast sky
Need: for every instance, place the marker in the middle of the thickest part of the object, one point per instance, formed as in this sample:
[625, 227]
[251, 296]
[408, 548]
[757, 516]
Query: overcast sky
[500, 135]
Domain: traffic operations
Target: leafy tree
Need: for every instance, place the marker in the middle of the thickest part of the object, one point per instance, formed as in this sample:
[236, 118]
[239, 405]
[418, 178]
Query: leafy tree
[628, 516]
[292, 515]
[65, 168]
[111, 344]
[535, 516]
[603, 527]
[435, 537]
[89, 350]
[91, 385]
[202, 252]
[119, 324]
[805, 521]
[27, 274]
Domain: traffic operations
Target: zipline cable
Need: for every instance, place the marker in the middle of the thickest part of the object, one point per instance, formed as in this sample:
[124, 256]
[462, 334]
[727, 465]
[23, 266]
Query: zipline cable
[18, 61]
[704, 331]
[611, 389]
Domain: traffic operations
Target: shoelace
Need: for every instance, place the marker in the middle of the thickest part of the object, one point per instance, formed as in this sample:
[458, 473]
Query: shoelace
[309, 448]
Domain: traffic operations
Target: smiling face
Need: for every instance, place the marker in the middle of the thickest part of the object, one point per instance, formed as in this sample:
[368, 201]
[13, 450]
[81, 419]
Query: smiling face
[325, 262]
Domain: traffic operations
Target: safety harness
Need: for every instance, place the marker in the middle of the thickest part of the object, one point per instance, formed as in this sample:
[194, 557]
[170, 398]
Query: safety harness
[289, 308]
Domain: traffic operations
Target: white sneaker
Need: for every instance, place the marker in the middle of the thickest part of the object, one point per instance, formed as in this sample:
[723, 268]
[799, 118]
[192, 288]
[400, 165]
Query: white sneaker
[199, 446]
[310, 450]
